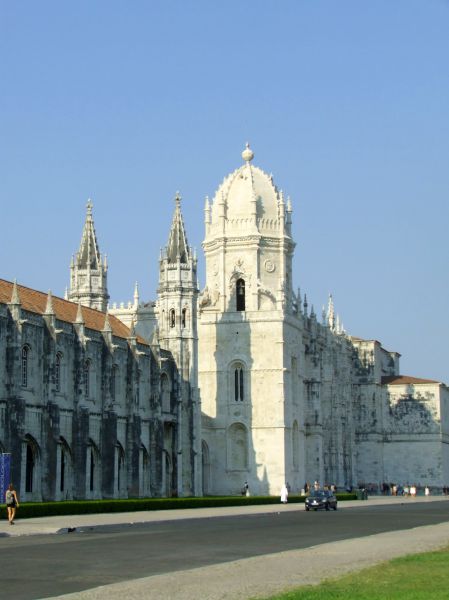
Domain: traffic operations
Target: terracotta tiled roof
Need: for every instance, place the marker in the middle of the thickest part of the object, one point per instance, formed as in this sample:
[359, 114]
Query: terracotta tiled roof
[36, 302]
[405, 379]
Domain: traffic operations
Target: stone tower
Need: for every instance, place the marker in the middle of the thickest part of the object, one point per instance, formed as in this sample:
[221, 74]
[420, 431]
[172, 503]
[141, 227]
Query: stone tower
[177, 321]
[249, 339]
[89, 270]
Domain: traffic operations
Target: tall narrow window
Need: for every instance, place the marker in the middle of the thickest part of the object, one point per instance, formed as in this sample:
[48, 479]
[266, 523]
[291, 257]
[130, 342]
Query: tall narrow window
[240, 290]
[25, 355]
[184, 317]
[58, 372]
[86, 378]
[238, 384]
[172, 317]
[114, 382]
[29, 470]
[138, 378]
[62, 478]
[92, 470]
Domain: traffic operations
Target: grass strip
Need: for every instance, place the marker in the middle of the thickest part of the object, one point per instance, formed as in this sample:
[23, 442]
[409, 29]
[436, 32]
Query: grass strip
[413, 577]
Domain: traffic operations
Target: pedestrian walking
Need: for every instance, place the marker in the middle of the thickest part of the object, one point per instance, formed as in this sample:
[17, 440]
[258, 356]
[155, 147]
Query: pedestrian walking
[427, 491]
[284, 494]
[245, 489]
[12, 503]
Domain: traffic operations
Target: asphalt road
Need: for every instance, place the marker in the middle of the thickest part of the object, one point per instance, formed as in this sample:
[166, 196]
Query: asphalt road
[36, 567]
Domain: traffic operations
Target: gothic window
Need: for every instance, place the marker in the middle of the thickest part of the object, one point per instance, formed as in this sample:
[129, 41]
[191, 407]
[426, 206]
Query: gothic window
[30, 466]
[184, 317]
[120, 469]
[239, 390]
[86, 378]
[65, 464]
[25, 365]
[240, 294]
[172, 317]
[92, 471]
[58, 371]
[62, 472]
[114, 377]
[29, 469]
[138, 379]
[144, 472]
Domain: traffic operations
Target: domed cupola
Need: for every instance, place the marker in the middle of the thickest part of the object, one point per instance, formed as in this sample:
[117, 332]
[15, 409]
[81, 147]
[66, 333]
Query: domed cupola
[247, 199]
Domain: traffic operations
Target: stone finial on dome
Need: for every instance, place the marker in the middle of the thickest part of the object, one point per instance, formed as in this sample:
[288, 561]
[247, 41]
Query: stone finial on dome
[247, 153]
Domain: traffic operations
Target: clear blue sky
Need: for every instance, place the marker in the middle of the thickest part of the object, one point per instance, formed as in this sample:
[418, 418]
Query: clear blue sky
[346, 103]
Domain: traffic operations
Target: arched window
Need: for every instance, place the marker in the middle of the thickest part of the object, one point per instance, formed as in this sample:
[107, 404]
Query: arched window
[144, 472]
[25, 357]
[239, 388]
[172, 317]
[240, 294]
[121, 480]
[93, 470]
[58, 372]
[86, 378]
[184, 317]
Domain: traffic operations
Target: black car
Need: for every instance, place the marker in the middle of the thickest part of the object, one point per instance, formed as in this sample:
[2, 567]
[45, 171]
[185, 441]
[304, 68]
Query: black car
[321, 499]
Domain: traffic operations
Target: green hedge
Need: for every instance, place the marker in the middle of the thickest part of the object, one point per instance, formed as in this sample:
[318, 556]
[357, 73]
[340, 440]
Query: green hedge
[84, 507]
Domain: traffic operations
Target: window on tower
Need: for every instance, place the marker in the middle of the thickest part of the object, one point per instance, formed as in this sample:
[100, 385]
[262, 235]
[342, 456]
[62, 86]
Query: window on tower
[172, 317]
[240, 293]
[239, 391]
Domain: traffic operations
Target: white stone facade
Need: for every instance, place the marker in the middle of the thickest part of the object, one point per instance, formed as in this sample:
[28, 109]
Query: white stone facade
[240, 382]
[285, 398]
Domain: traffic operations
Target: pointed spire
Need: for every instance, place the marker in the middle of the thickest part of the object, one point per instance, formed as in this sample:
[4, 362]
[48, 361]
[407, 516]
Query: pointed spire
[331, 313]
[15, 306]
[107, 325]
[88, 256]
[15, 298]
[136, 295]
[49, 310]
[177, 247]
[132, 337]
[88, 271]
[338, 325]
[66, 293]
[305, 305]
[79, 315]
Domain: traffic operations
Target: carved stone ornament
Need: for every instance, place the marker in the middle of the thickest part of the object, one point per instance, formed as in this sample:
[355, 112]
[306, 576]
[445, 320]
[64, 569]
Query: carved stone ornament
[269, 266]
